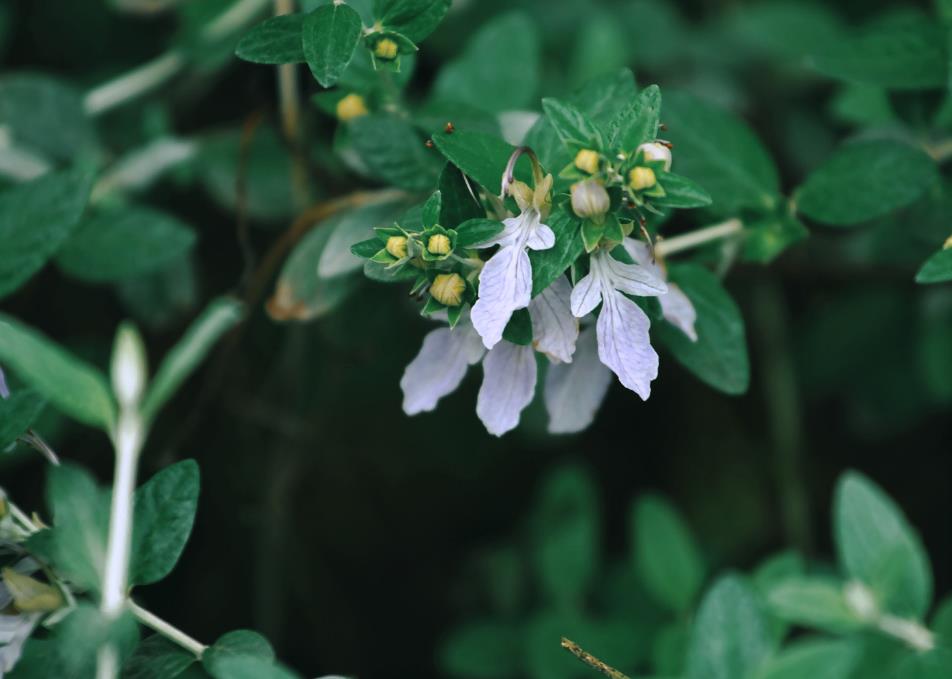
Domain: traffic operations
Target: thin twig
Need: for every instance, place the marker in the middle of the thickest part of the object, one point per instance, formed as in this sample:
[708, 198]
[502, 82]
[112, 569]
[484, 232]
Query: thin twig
[693, 239]
[591, 660]
[170, 632]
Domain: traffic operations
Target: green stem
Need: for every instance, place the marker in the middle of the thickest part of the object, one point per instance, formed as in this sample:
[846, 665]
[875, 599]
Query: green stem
[693, 239]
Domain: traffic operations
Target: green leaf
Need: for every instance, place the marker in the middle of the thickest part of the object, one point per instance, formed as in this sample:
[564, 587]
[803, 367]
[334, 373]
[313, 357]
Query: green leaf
[79, 636]
[519, 328]
[330, 35]
[680, 192]
[864, 180]
[731, 636]
[812, 659]
[481, 156]
[665, 554]
[904, 53]
[431, 209]
[878, 547]
[277, 40]
[346, 228]
[17, 414]
[934, 664]
[393, 151]
[218, 318]
[942, 622]
[415, 19]
[766, 238]
[250, 668]
[124, 242]
[382, 274]
[475, 231]
[36, 218]
[165, 507]
[499, 68]
[482, 650]
[637, 123]
[76, 544]
[721, 153]
[46, 115]
[565, 529]
[547, 265]
[937, 269]
[157, 658]
[459, 205]
[719, 356]
[234, 646]
[71, 385]
[814, 602]
[573, 127]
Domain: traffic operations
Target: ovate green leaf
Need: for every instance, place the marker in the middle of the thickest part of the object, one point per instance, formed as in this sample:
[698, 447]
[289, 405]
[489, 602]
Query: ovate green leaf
[330, 35]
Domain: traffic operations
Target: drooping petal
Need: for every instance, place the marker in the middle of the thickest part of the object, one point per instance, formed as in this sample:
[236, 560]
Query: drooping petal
[541, 238]
[586, 295]
[554, 328]
[631, 278]
[679, 311]
[511, 228]
[439, 367]
[4, 390]
[505, 285]
[641, 253]
[574, 391]
[624, 344]
[509, 380]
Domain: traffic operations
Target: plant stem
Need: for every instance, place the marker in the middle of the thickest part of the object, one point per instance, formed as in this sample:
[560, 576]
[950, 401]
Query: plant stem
[160, 626]
[591, 660]
[909, 632]
[669, 246]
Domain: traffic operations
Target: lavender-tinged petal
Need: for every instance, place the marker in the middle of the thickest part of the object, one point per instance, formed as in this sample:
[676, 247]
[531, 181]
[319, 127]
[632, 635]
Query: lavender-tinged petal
[509, 380]
[505, 285]
[586, 295]
[4, 390]
[554, 328]
[438, 369]
[511, 229]
[679, 311]
[624, 344]
[574, 391]
[641, 253]
[632, 278]
[541, 237]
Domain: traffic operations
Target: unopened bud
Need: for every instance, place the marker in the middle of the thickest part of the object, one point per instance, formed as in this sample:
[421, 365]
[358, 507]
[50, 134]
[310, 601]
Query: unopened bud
[397, 246]
[653, 151]
[586, 160]
[447, 288]
[641, 178]
[590, 199]
[386, 49]
[128, 366]
[945, 246]
[29, 595]
[860, 600]
[439, 244]
[350, 107]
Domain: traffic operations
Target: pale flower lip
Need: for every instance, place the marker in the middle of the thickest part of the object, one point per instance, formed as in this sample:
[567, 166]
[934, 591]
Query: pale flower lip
[554, 328]
[574, 391]
[676, 307]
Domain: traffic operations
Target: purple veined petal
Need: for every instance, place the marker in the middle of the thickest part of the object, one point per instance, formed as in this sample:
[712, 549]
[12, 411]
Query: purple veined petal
[439, 367]
[541, 238]
[509, 380]
[505, 285]
[630, 278]
[574, 391]
[679, 311]
[586, 295]
[4, 390]
[511, 228]
[554, 328]
[624, 344]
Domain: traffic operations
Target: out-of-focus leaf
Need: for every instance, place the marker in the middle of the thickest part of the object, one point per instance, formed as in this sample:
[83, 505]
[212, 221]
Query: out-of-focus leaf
[157, 658]
[392, 151]
[18, 413]
[415, 19]
[274, 41]
[483, 650]
[937, 269]
[814, 602]
[329, 36]
[36, 218]
[934, 664]
[864, 180]
[238, 646]
[348, 228]
[124, 242]
[243, 667]
[71, 385]
[766, 238]
[812, 659]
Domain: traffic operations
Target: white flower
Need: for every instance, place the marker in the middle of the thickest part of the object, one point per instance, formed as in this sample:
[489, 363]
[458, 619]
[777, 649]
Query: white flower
[505, 282]
[624, 344]
[554, 328]
[509, 375]
[675, 305]
[575, 391]
[4, 390]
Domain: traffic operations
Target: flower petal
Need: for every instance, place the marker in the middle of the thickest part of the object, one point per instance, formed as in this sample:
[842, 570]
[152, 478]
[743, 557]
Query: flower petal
[574, 391]
[439, 367]
[541, 238]
[554, 328]
[4, 390]
[509, 380]
[630, 278]
[586, 295]
[511, 227]
[505, 284]
[624, 344]
[679, 311]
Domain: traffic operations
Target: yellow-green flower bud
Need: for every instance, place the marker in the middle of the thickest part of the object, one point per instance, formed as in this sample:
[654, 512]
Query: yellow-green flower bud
[397, 246]
[350, 107]
[439, 244]
[586, 160]
[447, 288]
[29, 595]
[947, 244]
[641, 178]
[590, 200]
[386, 49]
[653, 151]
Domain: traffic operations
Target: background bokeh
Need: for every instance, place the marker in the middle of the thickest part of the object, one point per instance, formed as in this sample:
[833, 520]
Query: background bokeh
[356, 538]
